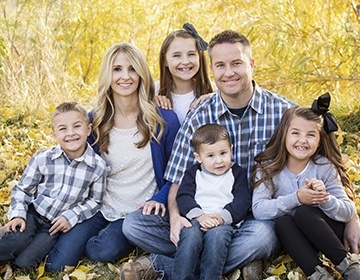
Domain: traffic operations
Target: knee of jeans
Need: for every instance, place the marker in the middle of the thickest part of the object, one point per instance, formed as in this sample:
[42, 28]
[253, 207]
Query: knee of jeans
[129, 225]
[102, 254]
[26, 262]
[267, 241]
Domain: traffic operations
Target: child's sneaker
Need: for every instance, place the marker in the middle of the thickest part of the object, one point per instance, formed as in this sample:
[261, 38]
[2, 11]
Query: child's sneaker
[350, 267]
[321, 274]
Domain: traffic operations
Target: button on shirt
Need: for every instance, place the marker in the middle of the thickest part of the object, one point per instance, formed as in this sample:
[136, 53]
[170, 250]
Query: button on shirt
[249, 133]
[56, 185]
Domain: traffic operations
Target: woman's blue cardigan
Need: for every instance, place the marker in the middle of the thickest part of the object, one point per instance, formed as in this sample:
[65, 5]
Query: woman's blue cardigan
[160, 152]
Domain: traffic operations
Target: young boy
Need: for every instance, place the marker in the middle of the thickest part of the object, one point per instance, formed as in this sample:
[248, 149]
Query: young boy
[60, 187]
[214, 195]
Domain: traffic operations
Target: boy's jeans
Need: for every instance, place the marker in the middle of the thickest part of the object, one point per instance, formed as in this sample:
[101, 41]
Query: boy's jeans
[210, 248]
[26, 249]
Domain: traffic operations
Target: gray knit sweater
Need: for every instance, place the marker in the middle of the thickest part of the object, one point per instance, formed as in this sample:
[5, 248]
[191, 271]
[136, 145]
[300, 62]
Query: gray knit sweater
[268, 205]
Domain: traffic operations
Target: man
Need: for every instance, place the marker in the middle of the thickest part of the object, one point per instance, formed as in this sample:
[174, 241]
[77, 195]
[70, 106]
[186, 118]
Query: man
[250, 114]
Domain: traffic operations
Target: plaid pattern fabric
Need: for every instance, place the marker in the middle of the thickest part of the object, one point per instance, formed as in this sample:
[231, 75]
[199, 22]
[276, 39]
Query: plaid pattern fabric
[249, 134]
[56, 185]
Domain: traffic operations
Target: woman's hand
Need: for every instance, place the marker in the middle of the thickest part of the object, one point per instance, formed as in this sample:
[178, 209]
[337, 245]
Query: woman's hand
[149, 206]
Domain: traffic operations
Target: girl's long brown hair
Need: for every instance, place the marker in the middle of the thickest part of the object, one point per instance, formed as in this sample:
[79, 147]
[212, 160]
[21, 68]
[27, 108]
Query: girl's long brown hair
[271, 161]
[202, 84]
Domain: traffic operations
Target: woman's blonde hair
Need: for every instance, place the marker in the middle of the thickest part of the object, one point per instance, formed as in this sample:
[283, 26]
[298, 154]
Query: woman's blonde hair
[271, 161]
[149, 122]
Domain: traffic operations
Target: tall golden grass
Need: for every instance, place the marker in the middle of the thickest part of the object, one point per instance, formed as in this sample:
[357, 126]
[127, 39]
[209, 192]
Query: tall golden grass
[50, 51]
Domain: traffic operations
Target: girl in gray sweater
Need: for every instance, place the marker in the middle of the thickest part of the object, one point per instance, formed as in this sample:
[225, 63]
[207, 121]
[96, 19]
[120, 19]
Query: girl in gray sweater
[301, 183]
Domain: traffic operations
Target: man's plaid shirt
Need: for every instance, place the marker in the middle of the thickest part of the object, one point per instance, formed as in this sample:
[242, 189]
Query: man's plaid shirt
[249, 134]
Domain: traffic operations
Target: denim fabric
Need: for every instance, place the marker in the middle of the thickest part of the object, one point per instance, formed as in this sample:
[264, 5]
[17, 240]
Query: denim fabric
[149, 232]
[70, 246]
[96, 238]
[254, 240]
[210, 247]
[26, 249]
[110, 244]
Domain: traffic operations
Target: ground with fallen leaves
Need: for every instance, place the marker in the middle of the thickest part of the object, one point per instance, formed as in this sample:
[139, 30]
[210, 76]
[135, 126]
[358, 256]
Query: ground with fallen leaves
[22, 135]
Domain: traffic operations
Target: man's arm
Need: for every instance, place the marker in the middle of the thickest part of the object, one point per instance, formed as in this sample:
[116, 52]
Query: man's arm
[352, 234]
[177, 222]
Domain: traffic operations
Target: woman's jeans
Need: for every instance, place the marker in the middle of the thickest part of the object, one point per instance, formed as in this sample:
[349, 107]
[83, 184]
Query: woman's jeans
[26, 249]
[96, 238]
[209, 248]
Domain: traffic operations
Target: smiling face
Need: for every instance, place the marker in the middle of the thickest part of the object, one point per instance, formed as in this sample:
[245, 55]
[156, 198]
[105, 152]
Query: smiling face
[232, 68]
[125, 80]
[182, 59]
[215, 157]
[302, 140]
[70, 130]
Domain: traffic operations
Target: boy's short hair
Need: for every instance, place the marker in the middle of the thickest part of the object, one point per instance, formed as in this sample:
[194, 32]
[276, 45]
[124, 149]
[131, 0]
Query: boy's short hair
[68, 107]
[210, 134]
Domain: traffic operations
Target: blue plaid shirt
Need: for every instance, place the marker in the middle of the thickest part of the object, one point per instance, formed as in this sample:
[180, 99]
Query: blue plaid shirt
[249, 134]
[56, 185]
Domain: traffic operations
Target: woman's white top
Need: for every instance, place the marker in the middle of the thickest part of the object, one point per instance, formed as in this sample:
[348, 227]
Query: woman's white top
[131, 180]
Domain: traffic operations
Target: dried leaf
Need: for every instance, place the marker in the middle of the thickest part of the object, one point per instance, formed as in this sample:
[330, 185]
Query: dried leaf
[41, 270]
[8, 272]
[27, 277]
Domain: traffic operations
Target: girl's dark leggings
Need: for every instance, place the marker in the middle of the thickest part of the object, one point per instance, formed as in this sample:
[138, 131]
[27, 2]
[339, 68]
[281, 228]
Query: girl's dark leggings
[308, 232]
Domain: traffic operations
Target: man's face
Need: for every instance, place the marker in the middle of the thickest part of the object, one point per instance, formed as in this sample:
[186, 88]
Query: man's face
[232, 69]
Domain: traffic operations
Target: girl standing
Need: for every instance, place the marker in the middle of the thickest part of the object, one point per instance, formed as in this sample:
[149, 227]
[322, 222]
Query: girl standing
[183, 71]
[301, 182]
[135, 138]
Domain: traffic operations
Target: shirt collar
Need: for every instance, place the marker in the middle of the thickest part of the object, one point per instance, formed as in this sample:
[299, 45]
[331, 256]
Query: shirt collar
[88, 157]
[256, 101]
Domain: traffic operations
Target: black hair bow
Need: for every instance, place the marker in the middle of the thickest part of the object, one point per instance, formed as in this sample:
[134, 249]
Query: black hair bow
[201, 44]
[321, 106]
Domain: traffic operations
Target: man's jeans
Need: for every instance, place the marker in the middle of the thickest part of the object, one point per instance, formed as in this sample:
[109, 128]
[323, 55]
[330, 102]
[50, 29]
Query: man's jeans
[254, 240]
[26, 249]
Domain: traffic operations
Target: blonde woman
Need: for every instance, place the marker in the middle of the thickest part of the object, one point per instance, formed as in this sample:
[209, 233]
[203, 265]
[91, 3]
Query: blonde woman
[135, 138]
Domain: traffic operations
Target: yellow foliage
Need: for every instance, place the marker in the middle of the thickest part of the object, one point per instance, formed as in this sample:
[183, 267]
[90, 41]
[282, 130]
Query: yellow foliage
[27, 277]
[41, 270]
[2, 176]
[10, 164]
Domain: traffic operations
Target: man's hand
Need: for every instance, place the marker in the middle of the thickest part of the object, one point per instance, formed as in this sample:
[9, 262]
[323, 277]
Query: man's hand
[352, 235]
[149, 206]
[177, 222]
[59, 224]
[14, 225]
